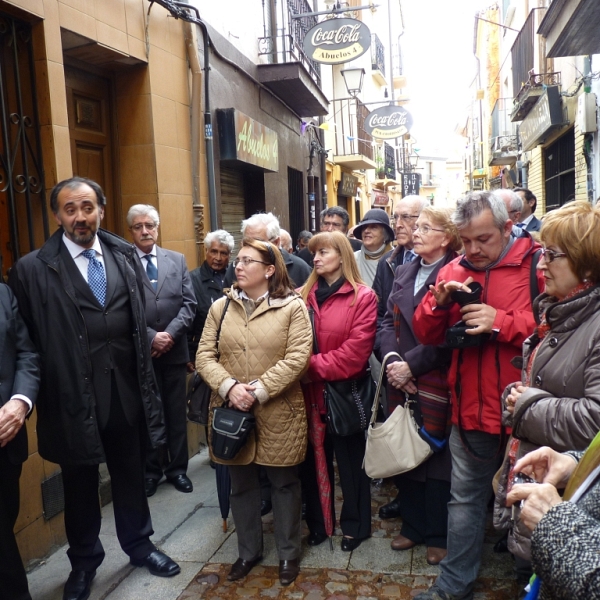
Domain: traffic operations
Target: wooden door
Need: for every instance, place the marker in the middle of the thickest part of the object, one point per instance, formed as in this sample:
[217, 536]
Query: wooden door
[91, 134]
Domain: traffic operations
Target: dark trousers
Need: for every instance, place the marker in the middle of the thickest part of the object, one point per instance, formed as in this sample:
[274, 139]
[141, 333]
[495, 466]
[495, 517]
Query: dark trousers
[171, 384]
[424, 510]
[124, 448]
[355, 518]
[13, 581]
[287, 509]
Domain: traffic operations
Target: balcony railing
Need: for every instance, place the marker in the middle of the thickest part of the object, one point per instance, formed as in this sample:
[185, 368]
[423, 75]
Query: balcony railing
[537, 80]
[522, 51]
[377, 54]
[350, 135]
[504, 141]
[389, 161]
[283, 36]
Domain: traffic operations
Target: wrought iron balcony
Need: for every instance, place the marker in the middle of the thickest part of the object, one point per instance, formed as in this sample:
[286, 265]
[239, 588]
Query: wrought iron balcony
[530, 93]
[353, 145]
[504, 141]
[504, 150]
[288, 71]
[378, 59]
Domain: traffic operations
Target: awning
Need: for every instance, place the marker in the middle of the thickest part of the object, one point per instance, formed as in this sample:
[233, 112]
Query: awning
[571, 28]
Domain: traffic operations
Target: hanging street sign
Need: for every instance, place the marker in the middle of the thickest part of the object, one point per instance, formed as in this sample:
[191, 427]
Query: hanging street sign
[337, 41]
[388, 122]
[411, 182]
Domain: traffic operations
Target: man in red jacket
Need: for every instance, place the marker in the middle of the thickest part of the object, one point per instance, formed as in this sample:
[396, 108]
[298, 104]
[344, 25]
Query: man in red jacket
[502, 319]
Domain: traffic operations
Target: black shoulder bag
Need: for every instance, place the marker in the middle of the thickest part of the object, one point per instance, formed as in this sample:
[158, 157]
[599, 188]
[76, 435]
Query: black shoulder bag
[349, 401]
[230, 427]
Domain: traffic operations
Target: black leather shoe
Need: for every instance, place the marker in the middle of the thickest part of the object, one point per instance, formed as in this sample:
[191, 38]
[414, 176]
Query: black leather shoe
[182, 483]
[151, 485]
[241, 568]
[158, 563]
[349, 544]
[288, 570]
[78, 584]
[390, 510]
[315, 538]
[265, 507]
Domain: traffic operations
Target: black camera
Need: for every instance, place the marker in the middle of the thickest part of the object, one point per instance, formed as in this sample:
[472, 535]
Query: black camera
[457, 336]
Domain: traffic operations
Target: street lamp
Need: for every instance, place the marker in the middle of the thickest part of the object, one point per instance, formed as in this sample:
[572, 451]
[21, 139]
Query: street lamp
[413, 161]
[353, 78]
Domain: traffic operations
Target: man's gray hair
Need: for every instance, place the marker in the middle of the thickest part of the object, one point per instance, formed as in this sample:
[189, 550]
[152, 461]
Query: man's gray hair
[475, 203]
[268, 220]
[336, 211]
[304, 235]
[515, 202]
[142, 210]
[421, 200]
[221, 237]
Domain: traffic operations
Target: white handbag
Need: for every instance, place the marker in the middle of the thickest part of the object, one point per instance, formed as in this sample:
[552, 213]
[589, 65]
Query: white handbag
[395, 446]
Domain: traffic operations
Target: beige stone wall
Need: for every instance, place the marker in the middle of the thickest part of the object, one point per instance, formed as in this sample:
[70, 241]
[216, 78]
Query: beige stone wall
[152, 156]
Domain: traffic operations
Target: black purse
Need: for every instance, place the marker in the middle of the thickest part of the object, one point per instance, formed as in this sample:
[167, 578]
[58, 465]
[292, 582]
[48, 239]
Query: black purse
[348, 402]
[230, 431]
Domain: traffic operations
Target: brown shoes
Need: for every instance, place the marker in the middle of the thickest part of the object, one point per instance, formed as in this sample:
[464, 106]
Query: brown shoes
[435, 555]
[288, 570]
[241, 568]
[402, 543]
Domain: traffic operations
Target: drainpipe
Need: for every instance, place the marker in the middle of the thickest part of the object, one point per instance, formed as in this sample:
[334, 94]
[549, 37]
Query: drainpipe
[192, 53]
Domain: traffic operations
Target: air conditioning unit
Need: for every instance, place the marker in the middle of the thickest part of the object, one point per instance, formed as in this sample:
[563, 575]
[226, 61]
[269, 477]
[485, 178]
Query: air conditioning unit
[587, 119]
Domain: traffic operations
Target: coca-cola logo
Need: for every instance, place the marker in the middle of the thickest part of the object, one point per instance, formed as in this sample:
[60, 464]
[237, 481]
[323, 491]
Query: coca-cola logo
[388, 122]
[336, 41]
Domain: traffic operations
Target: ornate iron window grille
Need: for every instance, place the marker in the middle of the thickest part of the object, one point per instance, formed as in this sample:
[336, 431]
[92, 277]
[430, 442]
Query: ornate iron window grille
[21, 165]
[283, 36]
[377, 54]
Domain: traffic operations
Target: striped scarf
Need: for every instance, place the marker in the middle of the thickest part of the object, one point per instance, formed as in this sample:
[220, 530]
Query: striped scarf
[433, 397]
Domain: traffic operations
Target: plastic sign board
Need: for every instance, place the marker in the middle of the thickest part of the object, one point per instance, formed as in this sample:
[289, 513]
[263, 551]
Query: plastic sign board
[388, 122]
[337, 41]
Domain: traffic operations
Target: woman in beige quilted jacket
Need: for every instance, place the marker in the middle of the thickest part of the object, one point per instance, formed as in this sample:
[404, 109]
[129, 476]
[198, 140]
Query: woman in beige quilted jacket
[263, 350]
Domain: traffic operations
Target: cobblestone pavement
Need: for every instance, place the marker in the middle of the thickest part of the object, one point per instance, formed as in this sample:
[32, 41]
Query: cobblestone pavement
[372, 571]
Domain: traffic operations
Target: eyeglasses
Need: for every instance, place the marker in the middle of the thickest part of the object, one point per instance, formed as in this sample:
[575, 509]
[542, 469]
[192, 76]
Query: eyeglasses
[246, 261]
[425, 229]
[146, 226]
[404, 218]
[551, 255]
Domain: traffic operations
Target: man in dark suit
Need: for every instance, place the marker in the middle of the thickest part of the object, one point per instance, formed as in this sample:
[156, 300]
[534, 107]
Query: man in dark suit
[19, 383]
[170, 310]
[529, 221]
[81, 298]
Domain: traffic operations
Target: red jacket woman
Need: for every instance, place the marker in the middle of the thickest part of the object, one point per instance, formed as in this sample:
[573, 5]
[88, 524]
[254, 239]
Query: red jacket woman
[345, 319]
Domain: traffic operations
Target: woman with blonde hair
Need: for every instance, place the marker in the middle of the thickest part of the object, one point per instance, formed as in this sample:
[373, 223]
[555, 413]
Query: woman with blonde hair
[256, 364]
[424, 492]
[344, 313]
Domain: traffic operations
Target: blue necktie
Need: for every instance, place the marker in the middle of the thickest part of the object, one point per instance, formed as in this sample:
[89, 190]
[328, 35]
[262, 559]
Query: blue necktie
[521, 225]
[408, 256]
[151, 271]
[96, 276]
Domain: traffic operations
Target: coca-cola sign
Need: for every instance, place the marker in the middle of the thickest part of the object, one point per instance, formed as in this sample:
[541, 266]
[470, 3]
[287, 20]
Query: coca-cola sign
[337, 41]
[388, 122]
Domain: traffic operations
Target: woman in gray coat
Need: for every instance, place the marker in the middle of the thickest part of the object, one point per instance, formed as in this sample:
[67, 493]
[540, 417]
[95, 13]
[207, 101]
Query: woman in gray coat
[557, 403]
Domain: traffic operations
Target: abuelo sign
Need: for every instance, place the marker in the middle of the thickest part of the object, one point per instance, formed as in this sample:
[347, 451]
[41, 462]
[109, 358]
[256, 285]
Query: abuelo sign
[337, 41]
[243, 139]
[388, 122]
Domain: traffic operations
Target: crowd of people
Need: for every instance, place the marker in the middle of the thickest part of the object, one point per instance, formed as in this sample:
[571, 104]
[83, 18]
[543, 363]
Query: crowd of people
[493, 316]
